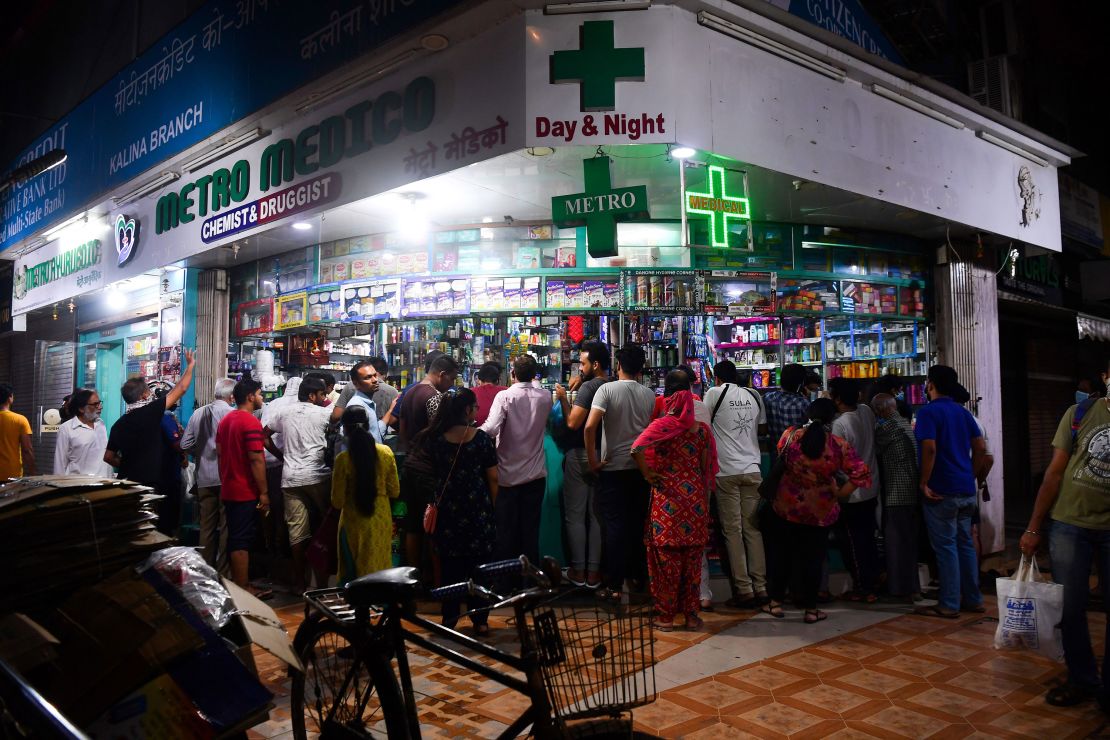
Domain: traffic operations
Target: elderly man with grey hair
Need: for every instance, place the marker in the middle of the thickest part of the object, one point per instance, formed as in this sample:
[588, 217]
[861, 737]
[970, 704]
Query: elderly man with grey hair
[897, 456]
[199, 441]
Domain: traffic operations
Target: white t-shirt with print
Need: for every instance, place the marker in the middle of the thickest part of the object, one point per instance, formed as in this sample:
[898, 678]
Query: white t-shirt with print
[736, 428]
[302, 426]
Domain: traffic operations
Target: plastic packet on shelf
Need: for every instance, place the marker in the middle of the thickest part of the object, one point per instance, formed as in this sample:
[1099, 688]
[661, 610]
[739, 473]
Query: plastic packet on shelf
[198, 582]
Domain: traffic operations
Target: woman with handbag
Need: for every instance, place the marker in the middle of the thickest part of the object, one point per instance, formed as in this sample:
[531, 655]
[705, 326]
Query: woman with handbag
[818, 469]
[460, 519]
[363, 480]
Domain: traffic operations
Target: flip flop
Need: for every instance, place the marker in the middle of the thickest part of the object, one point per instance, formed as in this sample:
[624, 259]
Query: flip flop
[935, 611]
[663, 626]
[813, 616]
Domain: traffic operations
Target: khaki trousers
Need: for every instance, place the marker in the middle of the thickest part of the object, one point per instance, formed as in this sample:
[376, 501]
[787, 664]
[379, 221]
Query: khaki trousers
[738, 507]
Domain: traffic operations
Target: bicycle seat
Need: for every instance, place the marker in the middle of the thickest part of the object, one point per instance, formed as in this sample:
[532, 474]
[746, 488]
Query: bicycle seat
[390, 586]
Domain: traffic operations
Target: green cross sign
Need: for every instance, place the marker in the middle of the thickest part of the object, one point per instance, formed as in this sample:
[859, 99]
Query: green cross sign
[718, 206]
[600, 207]
[597, 65]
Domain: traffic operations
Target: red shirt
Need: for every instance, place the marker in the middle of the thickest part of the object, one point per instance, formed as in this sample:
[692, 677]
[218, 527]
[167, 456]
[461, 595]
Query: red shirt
[485, 394]
[238, 434]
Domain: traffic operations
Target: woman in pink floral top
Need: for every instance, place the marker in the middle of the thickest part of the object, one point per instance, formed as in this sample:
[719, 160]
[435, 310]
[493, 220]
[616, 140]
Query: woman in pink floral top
[806, 505]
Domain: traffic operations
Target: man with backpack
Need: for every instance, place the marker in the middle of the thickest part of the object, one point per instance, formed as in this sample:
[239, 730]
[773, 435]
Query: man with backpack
[1076, 494]
[737, 418]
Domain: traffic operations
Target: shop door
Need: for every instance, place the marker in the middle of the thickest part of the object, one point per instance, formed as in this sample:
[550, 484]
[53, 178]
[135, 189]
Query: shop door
[101, 369]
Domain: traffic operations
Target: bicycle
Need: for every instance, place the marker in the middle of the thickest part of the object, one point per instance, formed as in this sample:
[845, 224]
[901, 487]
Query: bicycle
[580, 659]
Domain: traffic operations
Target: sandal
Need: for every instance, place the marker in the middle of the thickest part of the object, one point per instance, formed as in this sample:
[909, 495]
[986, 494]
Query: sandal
[579, 581]
[860, 598]
[663, 625]
[694, 622]
[706, 605]
[935, 611]
[775, 610]
[813, 616]
[1067, 695]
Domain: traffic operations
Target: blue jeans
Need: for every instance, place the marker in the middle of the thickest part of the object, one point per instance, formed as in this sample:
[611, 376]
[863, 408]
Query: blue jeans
[1073, 548]
[949, 525]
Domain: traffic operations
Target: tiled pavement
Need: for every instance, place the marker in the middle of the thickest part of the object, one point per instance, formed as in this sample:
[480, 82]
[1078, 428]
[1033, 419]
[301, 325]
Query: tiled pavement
[864, 673]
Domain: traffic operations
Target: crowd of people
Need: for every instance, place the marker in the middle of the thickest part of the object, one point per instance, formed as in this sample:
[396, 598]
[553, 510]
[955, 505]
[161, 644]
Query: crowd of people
[651, 484]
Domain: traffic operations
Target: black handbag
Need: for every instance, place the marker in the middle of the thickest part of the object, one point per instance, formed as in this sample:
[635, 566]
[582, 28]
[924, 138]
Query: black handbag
[770, 485]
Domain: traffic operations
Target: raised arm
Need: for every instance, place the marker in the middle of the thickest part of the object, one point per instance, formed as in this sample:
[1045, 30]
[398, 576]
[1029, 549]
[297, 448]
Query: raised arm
[178, 391]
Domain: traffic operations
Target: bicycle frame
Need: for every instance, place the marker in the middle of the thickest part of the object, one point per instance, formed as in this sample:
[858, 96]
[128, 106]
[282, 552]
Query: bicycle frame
[393, 632]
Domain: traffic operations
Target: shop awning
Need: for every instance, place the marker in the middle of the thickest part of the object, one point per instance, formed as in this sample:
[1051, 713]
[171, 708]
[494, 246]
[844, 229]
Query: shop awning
[1093, 327]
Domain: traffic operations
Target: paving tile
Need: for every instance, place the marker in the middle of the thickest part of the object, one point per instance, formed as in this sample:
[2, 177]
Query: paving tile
[808, 661]
[663, 713]
[1029, 724]
[911, 666]
[984, 683]
[766, 678]
[876, 682]
[948, 702]
[724, 730]
[847, 649]
[781, 718]
[716, 696]
[829, 698]
[906, 723]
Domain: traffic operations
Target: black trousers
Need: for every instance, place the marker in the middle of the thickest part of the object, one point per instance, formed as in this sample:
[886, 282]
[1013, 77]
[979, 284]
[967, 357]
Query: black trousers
[795, 558]
[856, 531]
[517, 511]
[456, 569]
[623, 498]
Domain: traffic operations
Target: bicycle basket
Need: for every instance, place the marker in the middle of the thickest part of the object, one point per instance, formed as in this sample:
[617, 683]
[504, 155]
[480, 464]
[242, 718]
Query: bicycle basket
[596, 659]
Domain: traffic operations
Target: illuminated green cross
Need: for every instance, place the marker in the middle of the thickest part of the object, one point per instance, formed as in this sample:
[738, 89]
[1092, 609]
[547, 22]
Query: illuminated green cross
[600, 207]
[718, 206]
[597, 65]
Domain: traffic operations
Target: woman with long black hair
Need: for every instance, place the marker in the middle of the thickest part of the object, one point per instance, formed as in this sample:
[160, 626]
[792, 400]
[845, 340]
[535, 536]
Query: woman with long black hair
[464, 530]
[364, 479]
[820, 469]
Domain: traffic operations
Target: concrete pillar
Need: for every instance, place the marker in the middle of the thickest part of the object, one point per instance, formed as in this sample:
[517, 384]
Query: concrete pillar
[967, 339]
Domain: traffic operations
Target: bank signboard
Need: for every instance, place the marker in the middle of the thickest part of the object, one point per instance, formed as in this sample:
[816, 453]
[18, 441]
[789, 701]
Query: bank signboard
[228, 60]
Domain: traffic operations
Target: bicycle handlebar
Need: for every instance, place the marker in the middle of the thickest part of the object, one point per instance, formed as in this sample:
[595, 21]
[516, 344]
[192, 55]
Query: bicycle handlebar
[515, 566]
[448, 592]
[500, 568]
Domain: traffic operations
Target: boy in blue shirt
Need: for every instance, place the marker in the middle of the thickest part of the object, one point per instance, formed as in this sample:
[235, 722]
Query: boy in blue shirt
[952, 449]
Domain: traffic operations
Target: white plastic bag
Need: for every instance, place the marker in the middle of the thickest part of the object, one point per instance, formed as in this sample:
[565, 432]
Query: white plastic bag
[1029, 612]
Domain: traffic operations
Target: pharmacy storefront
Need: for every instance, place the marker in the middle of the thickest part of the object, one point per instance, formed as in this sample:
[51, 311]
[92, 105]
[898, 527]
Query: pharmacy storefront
[707, 184]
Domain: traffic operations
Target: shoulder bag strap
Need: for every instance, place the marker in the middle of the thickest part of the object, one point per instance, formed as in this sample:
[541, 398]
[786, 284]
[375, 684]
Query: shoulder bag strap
[1077, 420]
[724, 392]
[447, 480]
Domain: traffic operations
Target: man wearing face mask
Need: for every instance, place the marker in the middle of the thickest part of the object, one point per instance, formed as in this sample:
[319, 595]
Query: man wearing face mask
[82, 438]
[1076, 494]
[1091, 387]
[131, 448]
[893, 385]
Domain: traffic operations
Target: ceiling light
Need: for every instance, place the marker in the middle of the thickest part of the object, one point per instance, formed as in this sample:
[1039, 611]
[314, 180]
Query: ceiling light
[683, 152]
[728, 28]
[146, 188]
[65, 225]
[302, 225]
[912, 104]
[1011, 148]
[600, 6]
[34, 168]
[357, 80]
[540, 151]
[116, 298]
[228, 145]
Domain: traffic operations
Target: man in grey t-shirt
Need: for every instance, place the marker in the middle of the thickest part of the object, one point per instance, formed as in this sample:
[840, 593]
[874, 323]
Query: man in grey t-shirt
[623, 495]
[579, 511]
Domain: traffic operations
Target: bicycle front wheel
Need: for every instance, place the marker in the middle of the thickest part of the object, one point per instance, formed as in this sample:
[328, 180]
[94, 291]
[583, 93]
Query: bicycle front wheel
[344, 693]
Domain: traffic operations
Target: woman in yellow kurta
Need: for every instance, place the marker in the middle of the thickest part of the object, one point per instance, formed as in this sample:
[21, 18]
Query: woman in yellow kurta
[364, 478]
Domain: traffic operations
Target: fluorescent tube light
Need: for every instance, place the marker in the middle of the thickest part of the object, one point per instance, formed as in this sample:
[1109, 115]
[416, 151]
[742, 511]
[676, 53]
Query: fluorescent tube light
[146, 188]
[1011, 148]
[728, 28]
[683, 152]
[228, 145]
[912, 104]
[322, 96]
[600, 6]
[64, 225]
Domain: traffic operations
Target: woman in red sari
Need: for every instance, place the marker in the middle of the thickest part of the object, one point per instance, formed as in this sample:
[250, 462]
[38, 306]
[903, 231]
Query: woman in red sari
[684, 466]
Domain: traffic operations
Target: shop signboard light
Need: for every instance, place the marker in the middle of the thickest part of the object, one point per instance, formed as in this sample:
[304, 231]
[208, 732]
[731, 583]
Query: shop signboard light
[127, 238]
[600, 207]
[718, 206]
[597, 65]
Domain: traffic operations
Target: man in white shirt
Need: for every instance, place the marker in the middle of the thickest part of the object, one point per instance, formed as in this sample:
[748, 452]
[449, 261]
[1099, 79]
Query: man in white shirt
[623, 495]
[199, 441]
[83, 438]
[857, 524]
[738, 418]
[517, 421]
[305, 480]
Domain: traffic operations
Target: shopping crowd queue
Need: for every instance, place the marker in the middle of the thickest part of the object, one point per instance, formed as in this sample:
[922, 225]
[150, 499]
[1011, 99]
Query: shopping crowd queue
[650, 484]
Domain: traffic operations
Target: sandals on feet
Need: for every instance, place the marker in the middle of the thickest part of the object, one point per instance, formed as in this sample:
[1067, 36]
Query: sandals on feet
[775, 610]
[663, 625]
[813, 616]
[935, 611]
[1067, 695]
[706, 605]
[694, 622]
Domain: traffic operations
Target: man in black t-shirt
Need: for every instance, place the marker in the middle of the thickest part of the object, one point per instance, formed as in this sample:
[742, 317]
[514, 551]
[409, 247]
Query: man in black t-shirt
[135, 442]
